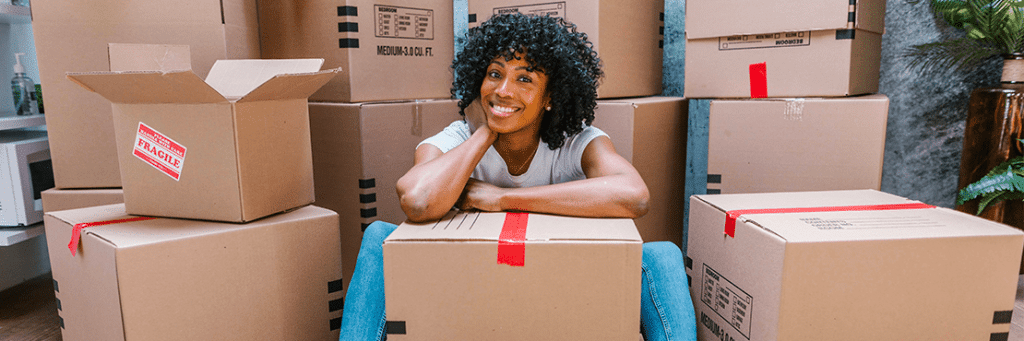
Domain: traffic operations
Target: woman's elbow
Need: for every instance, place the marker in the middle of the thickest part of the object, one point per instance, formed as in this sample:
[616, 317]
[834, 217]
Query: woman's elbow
[637, 203]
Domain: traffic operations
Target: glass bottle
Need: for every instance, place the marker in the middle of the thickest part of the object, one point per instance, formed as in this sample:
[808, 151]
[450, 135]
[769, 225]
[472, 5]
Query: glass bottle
[994, 119]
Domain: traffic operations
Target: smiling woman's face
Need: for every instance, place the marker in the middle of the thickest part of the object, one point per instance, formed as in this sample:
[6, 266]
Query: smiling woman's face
[512, 95]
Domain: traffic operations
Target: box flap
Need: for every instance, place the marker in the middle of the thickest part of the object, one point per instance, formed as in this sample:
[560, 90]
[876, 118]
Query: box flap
[487, 226]
[234, 78]
[148, 87]
[290, 86]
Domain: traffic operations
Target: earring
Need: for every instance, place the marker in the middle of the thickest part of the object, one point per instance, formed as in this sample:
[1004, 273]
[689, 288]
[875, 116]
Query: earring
[548, 108]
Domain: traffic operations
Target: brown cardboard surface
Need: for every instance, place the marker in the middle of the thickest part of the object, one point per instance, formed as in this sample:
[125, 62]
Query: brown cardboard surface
[242, 160]
[381, 57]
[359, 152]
[149, 57]
[170, 279]
[581, 277]
[924, 274]
[799, 64]
[79, 123]
[66, 199]
[805, 144]
[719, 18]
[626, 36]
[650, 132]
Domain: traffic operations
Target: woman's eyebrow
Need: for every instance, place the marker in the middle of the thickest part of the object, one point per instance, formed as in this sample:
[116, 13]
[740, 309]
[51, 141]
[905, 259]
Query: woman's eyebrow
[498, 62]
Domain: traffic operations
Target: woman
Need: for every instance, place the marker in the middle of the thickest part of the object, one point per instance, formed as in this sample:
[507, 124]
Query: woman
[527, 87]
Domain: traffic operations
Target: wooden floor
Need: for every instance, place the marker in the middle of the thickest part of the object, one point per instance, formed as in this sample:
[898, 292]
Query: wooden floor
[28, 311]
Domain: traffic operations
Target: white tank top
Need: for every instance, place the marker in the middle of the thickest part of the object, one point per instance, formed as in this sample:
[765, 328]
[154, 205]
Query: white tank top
[548, 166]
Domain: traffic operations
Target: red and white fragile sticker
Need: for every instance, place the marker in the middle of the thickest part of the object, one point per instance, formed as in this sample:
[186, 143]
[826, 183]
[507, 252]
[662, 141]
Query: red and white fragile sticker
[159, 151]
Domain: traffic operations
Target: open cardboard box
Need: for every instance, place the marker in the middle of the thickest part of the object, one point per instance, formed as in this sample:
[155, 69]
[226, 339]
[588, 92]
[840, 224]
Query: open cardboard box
[235, 147]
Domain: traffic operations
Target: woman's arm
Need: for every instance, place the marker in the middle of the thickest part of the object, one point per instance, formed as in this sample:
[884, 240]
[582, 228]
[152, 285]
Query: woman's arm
[432, 186]
[613, 188]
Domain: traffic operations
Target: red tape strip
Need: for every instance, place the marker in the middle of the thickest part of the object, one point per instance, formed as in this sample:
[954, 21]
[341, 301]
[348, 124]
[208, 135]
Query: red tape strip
[512, 240]
[76, 231]
[759, 80]
[731, 216]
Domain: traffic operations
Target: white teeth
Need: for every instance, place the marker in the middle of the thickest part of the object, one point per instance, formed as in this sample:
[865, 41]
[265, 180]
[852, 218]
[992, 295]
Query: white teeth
[503, 109]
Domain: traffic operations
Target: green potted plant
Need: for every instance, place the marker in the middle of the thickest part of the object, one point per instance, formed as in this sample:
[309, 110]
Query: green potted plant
[1004, 182]
[990, 166]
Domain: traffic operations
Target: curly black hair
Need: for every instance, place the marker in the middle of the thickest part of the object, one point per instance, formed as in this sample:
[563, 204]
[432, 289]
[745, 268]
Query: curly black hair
[552, 46]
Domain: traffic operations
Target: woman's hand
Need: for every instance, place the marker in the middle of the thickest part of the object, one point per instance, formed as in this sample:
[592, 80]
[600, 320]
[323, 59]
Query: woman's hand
[481, 196]
[476, 117]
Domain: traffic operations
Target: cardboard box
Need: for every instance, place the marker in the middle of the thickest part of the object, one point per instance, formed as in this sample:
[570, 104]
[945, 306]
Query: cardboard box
[545, 277]
[627, 36]
[233, 148]
[66, 199]
[278, 278]
[72, 36]
[359, 152]
[386, 49]
[804, 144]
[650, 133]
[899, 274]
[722, 18]
[808, 48]
[796, 64]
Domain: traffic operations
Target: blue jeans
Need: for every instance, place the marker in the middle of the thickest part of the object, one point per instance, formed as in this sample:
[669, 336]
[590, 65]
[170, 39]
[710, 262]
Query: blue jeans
[666, 311]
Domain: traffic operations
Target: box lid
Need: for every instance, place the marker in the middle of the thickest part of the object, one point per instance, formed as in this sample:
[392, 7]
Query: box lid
[834, 224]
[487, 226]
[720, 18]
[228, 80]
[135, 233]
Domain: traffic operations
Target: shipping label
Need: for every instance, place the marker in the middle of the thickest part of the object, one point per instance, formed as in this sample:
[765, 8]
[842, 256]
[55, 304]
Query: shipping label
[727, 300]
[554, 9]
[403, 22]
[159, 151]
[877, 221]
[764, 41]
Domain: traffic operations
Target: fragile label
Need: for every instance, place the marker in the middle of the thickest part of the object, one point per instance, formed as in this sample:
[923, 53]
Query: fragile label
[727, 300]
[554, 9]
[159, 151]
[404, 22]
[764, 41]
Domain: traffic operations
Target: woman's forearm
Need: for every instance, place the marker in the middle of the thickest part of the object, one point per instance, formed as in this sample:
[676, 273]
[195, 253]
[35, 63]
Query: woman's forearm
[434, 184]
[608, 196]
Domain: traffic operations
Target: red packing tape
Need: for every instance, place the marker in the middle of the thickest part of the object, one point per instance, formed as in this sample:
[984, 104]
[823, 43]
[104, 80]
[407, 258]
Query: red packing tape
[76, 232]
[731, 216]
[759, 80]
[512, 240]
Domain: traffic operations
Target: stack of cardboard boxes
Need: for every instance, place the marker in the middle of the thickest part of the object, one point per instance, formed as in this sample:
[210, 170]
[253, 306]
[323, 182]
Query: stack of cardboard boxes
[216, 238]
[782, 101]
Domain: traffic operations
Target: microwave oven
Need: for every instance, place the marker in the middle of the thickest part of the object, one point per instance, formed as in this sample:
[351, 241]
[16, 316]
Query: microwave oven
[25, 172]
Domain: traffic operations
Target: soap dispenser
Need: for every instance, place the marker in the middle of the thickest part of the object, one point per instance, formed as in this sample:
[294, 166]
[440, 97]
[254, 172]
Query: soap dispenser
[24, 89]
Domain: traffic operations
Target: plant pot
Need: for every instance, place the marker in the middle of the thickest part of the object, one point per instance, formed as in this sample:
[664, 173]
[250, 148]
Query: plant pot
[994, 124]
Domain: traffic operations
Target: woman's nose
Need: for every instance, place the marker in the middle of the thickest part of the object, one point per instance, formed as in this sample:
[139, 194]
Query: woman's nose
[504, 88]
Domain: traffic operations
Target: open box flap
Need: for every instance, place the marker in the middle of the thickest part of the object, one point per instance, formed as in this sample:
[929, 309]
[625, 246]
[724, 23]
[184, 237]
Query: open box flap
[235, 78]
[181, 86]
[290, 86]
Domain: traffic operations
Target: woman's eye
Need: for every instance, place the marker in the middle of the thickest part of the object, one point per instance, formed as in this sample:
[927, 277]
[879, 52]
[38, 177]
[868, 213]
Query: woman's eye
[494, 74]
[525, 79]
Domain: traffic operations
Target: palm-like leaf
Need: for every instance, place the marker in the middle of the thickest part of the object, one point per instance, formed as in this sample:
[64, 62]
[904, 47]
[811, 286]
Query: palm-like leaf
[1004, 182]
[991, 27]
